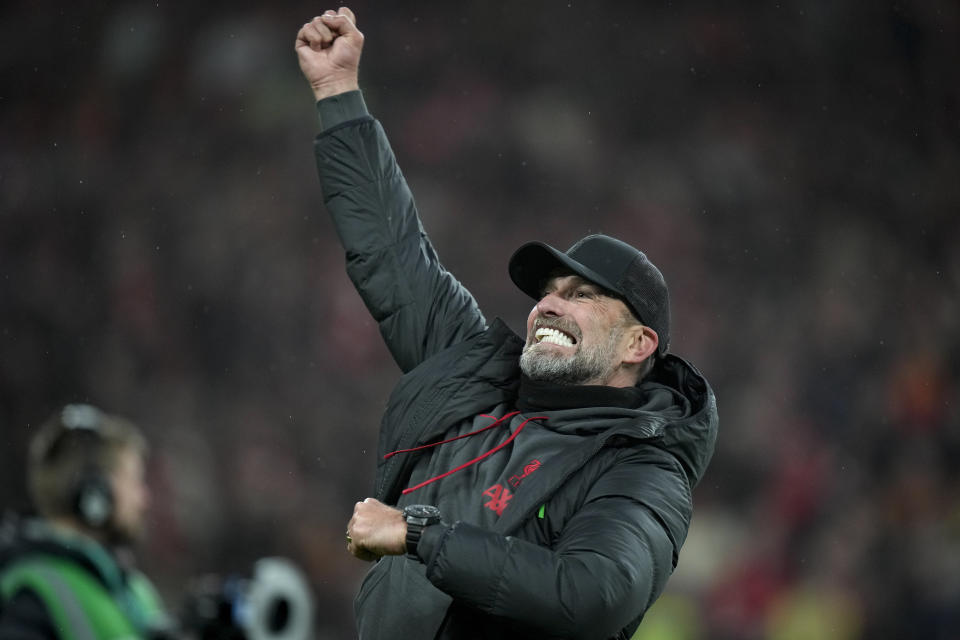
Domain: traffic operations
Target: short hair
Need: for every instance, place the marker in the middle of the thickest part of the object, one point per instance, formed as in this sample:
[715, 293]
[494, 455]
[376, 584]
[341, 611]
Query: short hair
[78, 441]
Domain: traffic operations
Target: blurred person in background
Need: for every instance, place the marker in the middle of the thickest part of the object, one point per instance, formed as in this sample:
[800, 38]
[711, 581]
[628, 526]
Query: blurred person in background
[69, 574]
[537, 487]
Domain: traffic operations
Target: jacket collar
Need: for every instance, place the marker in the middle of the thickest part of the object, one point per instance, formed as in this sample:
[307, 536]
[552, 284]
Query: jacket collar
[544, 396]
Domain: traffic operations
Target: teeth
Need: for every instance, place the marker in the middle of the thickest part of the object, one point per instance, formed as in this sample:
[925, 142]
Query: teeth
[554, 336]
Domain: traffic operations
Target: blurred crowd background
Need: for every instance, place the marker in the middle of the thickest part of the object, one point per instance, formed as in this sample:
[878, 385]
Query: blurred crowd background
[793, 167]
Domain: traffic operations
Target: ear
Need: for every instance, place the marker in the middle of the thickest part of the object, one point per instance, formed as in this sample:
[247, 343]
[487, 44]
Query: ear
[642, 342]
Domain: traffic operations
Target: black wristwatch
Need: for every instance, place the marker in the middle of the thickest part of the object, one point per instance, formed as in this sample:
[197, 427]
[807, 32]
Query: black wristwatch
[418, 516]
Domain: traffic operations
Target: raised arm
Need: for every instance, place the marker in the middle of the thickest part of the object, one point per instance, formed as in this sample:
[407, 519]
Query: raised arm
[328, 48]
[420, 307]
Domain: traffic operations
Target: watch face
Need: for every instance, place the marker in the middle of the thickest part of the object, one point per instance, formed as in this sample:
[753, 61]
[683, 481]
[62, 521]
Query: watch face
[421, 511]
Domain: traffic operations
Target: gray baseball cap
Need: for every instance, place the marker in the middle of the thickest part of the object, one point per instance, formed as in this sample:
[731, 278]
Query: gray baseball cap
[608, 262]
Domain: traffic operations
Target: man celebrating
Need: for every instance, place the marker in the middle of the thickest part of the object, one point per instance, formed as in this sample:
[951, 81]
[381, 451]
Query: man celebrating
[537, 488]
[67, 575]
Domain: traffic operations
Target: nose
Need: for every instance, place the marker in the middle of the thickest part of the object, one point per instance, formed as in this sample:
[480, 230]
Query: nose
[550, 305]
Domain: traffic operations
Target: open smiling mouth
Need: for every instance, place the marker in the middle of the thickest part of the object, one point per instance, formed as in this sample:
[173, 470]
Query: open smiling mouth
[554, 336]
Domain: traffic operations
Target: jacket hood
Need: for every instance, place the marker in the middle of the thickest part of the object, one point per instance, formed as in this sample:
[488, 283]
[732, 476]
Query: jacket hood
[692, 436]
[673, 407]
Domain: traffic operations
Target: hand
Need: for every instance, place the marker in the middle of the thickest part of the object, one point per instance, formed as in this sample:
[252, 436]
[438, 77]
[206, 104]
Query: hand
[376, 530]
[328, 48]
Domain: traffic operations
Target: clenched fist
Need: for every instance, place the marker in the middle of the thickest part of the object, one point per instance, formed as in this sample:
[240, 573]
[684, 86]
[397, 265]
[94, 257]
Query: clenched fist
[328, 48]
[376, 530]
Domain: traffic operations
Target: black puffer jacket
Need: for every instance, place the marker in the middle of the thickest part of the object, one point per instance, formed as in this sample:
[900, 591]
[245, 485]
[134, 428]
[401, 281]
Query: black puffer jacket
[589, 540]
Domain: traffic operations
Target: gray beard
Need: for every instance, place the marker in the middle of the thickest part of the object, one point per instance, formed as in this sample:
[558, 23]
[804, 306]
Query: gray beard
[594, 365]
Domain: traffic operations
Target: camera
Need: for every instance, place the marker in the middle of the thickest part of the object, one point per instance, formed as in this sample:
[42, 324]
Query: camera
[274, 603]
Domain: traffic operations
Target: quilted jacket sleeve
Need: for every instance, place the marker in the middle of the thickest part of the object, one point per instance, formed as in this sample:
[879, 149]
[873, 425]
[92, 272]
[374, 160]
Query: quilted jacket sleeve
[611, 561]
[420, 307]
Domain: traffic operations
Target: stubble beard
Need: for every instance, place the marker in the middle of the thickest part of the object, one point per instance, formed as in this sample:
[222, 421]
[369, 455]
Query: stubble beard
[590, 365]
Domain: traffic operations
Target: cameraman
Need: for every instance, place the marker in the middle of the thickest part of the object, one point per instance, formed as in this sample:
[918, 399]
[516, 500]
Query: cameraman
[68, 574]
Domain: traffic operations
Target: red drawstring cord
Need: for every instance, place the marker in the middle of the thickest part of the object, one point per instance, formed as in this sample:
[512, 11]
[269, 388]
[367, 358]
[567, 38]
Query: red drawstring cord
[478, 458]
[436, 444]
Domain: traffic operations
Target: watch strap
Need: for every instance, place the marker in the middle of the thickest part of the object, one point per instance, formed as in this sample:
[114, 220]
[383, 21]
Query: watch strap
[414, 531]
[418, 517]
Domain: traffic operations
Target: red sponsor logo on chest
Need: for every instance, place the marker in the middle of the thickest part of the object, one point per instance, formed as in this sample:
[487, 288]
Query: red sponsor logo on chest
[528, 468]
[500, 496]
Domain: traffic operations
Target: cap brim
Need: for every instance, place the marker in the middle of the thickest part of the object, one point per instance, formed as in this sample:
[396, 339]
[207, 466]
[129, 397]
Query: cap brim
[532, 264]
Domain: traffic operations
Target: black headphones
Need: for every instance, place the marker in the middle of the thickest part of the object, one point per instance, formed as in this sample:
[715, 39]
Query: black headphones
[90, 497]
[93, 500]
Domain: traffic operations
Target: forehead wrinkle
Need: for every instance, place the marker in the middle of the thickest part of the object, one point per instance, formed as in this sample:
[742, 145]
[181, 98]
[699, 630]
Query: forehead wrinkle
[599, 306]
[575, 281]
[571, 280]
